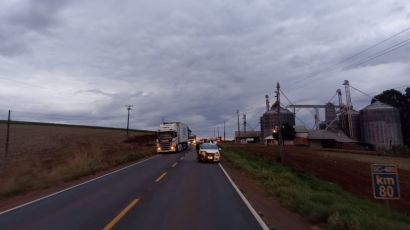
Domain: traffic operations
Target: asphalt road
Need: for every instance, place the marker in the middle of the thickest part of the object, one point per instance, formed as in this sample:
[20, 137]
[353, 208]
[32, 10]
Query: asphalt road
[169, 191]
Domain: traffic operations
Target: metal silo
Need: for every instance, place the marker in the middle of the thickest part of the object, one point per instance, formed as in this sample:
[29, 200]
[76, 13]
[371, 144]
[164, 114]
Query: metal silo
[381, 126]
[270, 119]
[355, 123]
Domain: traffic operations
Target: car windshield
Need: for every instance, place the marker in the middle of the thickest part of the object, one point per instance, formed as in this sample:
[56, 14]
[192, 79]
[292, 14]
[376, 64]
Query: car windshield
[209, 146]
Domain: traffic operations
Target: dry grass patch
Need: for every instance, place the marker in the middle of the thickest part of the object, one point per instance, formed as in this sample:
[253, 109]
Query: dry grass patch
[73, 157]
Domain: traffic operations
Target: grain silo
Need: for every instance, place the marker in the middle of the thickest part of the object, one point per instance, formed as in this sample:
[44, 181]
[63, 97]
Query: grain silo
[355, 123]
[381, 126]
[330, 112]
[269, 119]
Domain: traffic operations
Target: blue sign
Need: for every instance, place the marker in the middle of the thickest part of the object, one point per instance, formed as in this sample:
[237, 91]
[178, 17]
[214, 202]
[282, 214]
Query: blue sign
[385, 179]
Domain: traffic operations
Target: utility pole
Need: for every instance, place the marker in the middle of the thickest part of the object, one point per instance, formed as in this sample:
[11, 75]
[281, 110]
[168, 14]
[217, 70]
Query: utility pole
[244, 123]
[349, 108]
[341, 110]
[7, 136]
[224, 132]
[128, 118]
[279, 123]
[218, 131]
[214, 133]
[239, 129]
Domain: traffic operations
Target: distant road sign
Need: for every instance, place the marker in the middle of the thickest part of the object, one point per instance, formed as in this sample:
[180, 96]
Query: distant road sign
[385, 179]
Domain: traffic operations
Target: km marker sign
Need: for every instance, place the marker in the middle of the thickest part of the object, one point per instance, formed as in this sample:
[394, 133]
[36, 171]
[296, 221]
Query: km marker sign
[385, 180]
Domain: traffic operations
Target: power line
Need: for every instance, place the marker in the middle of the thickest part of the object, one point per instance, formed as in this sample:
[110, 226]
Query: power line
[299, 119]
[361, 92]
[369, 95]
[379, 54]
[286, 97]
[331, 99]
[389, 49]
[375, 45]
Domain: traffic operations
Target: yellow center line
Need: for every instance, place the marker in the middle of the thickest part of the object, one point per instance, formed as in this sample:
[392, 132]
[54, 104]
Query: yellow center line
[121, 215]
[175, 164]
[160, 177]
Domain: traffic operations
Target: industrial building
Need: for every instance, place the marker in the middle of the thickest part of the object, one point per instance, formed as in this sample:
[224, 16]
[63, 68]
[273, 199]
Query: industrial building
[270, 119]
[301, 136]
[376, 126]
[248, 136]
[328, 139]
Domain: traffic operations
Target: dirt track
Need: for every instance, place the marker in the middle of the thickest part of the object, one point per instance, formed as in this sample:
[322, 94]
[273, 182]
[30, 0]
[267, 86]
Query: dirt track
[351, 174]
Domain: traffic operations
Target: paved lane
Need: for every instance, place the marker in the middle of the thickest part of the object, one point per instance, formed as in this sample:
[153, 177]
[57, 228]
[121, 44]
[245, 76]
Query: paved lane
[92, 205]
[170, 191]
[192, 196]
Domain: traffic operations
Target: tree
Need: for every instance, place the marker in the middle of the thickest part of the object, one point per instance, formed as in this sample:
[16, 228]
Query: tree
[402, 103]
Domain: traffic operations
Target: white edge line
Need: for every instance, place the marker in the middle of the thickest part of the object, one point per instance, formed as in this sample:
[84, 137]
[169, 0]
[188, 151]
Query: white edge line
[254, 213]
[75, 186]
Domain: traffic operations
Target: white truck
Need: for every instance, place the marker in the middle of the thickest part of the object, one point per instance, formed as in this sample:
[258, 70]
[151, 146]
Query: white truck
[172, 137]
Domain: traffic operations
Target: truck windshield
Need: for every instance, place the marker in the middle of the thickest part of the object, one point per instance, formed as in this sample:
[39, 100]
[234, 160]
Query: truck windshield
[166, 135]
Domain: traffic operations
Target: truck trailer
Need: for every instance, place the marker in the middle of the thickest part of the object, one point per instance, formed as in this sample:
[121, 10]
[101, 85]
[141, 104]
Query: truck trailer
[172, 137]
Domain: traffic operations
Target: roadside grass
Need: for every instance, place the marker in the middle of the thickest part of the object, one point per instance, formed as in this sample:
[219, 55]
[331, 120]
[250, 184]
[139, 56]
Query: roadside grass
[30, 174]
[319, 201]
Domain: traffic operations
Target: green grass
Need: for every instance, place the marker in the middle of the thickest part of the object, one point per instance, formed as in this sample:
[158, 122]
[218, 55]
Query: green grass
[319, 201]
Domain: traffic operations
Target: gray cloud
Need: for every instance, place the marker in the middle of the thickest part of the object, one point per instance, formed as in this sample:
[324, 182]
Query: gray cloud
[23, 21]
[198, 62]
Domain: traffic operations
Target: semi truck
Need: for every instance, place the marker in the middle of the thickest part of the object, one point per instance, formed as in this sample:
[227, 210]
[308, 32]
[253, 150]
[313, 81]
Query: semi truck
[172, 137]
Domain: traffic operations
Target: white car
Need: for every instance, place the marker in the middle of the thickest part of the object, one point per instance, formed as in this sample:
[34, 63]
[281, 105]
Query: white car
[209, 152]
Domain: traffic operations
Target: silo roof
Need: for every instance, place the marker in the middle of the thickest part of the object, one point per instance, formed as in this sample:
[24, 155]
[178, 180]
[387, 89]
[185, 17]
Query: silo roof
[282, 111]
[274, 109]
[378, 105]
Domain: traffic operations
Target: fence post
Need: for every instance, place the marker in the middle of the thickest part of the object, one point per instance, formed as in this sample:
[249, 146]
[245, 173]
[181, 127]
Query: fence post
[7, 136]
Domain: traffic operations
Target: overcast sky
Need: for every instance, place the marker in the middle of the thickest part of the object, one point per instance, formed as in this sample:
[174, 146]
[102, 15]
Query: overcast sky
[197, 62]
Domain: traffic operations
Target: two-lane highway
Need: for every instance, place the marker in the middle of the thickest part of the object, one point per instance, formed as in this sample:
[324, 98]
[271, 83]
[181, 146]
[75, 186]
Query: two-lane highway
[169, 191]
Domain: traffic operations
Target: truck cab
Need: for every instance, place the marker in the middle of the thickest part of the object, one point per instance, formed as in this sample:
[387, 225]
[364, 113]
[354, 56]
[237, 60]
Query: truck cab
[172, 137]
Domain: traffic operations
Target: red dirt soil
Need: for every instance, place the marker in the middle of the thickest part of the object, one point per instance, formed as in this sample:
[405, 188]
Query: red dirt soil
[352, 175]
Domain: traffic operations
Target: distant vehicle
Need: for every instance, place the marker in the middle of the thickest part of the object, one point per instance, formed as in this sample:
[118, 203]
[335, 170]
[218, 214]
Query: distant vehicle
[209, 152]
[192, 140]
[205, 140]
[172, 137]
